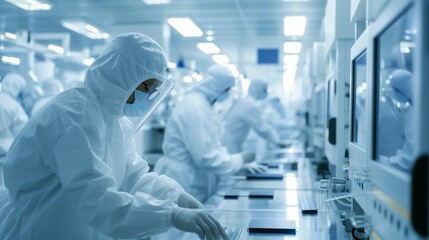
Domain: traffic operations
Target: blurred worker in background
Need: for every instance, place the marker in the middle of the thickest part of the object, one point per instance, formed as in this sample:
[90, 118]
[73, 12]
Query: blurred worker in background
[51, 88]
[395, 141]
[73, 172]
[12, 114]
[247, 114]
[193, 154]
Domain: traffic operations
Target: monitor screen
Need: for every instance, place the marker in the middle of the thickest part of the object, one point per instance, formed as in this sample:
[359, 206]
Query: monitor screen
[394, 95]
[359, 84]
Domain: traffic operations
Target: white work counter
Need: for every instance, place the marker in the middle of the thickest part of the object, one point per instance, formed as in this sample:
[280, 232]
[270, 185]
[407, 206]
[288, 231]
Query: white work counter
[284, 205]
[320, 226]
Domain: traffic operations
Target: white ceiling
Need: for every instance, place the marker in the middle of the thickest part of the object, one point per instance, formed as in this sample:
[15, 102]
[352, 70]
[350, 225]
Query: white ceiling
[240, 26]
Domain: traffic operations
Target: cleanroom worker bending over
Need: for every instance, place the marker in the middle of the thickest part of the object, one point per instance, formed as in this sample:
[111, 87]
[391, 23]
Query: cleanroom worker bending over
[12, 115]
[72, 172]
[246, 115]
[193, 155]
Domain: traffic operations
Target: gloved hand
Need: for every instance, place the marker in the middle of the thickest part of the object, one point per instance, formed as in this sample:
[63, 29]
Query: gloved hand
[198, 221]
[187, 201]
[254, 167]
[248, 157]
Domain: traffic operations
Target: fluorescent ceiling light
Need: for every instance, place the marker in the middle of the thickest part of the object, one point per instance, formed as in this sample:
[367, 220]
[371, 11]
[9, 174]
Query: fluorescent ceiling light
[11, 60]
[406, 46]
[10, 35]
[209, 32]
[85, 29]
[198, 77]
[294, 26]
[292, 47]
[231, 66]
[56, 48]
[31, 5]
[91, 28]
[185, 26]
[290, 59]
[220, 59]
[245, 83]
[88, 61]
[288, 81]
[290, 68]
[208, 47]
[233, 69]
[171, 65]
[187, 79]
[156, 2]
[209, 38]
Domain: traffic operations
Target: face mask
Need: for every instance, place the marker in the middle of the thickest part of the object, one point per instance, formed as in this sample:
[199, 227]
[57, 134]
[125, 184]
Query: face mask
[222, 97]
[141, 105]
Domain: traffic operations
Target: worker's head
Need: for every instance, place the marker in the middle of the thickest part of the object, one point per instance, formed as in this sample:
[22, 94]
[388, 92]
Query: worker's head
[132, 66]
[13, 84]
[217, 82]
[399, 81]
[258, 89]
[51, 87]
[398, 91]
[129, 78]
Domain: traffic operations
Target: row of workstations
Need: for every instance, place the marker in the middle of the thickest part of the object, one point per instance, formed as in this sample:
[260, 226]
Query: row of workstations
[271, 207]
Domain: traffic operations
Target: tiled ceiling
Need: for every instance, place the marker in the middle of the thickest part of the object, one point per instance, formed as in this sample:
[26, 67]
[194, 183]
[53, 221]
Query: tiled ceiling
[240, 26]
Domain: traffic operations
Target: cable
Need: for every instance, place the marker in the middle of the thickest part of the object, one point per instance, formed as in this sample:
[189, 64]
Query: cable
[359, 230]
[343, 203]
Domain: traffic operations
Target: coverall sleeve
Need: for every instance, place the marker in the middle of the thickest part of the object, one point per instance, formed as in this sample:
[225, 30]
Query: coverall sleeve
[87, 183]
[201, 136]
[138, 179]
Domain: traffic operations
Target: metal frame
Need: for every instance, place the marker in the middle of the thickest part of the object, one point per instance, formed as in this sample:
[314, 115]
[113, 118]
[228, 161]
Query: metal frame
[357, 154]
[340, 73]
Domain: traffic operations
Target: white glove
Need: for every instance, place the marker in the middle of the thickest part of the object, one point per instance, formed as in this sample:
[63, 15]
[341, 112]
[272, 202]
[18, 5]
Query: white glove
[198, 221]
[254, 167]
[187, 201]
[248, 157]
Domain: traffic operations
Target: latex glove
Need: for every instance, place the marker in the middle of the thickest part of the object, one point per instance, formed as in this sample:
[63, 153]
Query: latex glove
[198, 221]
[187, 201]
[248, 157]
[254, 167]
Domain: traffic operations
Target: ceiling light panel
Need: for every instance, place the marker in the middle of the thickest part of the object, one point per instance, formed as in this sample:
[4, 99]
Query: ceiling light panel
[292, 47]
[290, 59]
[208, 47]
[294, 26]
[220, 59]
[156, 2]
[31, 5]
[85, 29]
[185, 26]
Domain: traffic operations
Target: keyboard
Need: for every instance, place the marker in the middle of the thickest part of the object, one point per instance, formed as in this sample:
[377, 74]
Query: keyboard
[235, 233]
[307, 204]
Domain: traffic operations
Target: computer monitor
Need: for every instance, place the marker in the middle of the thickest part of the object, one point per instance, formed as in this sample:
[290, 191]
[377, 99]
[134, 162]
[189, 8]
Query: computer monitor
[359, 119]
[393, 37]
